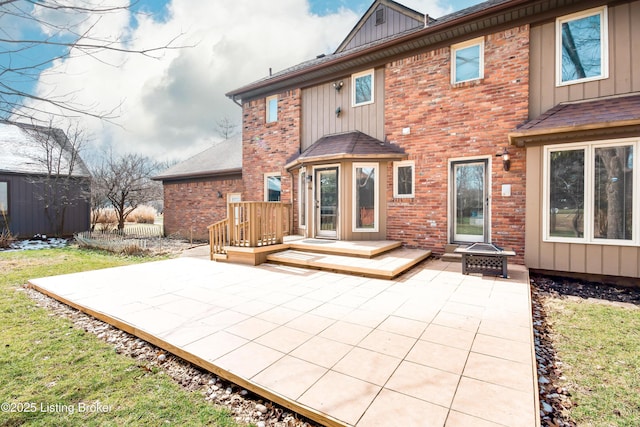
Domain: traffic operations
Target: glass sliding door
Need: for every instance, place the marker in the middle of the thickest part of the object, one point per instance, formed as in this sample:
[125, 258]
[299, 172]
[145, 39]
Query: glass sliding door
[470, 202]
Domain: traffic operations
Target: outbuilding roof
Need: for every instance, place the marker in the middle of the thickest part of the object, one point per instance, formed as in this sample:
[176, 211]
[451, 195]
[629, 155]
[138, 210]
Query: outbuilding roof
[348, 145]
[23, 150]
[223, 158]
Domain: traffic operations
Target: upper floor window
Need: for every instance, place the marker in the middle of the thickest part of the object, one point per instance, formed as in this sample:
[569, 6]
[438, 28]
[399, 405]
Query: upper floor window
[272, 187]
[4, 198]
[467, 61]
[581, 47]
[362, 84]
[404, 179]
[272, 109]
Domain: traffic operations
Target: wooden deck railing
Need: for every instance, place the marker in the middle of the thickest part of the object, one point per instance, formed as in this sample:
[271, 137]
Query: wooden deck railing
[250, 224]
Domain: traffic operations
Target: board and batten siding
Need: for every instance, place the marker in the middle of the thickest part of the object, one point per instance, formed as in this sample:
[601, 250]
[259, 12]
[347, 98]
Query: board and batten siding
[319, 104]
[394, 23]
[624, 77]
[624, 62]
[590, 258]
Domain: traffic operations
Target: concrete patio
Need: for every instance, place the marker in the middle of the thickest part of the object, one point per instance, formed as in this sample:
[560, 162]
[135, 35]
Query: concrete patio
[431, 348]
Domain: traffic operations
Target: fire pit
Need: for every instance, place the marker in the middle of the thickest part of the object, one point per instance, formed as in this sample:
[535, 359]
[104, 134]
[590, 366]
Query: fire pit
[484, 258]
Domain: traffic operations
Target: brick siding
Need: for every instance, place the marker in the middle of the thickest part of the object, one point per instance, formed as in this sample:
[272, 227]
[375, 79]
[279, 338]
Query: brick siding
[266, 147]
[191, 206]
[458, 121]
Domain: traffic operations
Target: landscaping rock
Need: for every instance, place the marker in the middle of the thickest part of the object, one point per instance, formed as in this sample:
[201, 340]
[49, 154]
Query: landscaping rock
[243, 406]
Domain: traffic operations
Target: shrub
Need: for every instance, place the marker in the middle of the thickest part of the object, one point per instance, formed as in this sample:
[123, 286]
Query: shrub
[143, 214]
[6, 237]
[104, 216]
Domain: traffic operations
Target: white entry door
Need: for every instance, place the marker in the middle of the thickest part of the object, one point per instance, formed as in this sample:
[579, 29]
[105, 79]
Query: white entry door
[470, 202]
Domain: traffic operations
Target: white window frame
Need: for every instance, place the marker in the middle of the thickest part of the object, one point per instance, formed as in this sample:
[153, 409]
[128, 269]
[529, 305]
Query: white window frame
[589, 214]
[604, 44]
[376, 198]
[268, 117]
[4, 208]
[396, 166]
[266, 184]
[356, 76]
[459, 46]
[302, 196]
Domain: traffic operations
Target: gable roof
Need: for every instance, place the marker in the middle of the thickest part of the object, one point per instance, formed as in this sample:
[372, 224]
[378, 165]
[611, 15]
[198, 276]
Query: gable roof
[22, 151]
[452, 28]
[611, 114]
[347, 145]
[223, 158]
[402, 19]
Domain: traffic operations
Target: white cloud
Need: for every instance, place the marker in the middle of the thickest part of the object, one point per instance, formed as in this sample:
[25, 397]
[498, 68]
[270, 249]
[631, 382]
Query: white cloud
[168, 106]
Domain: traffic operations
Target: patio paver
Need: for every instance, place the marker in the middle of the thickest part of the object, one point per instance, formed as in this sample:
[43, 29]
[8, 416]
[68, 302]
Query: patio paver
[432, 347]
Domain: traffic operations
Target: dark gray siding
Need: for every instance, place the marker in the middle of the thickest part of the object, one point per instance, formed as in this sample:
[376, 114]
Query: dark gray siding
[27, 215]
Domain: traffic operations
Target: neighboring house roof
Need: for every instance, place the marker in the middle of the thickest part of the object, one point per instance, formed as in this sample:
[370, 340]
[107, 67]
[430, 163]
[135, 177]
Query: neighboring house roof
[23, 150]
[348, 145]
[443, 31]
[603, 114]
[223, 158]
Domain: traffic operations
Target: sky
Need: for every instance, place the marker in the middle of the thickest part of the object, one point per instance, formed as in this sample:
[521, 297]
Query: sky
[167, 106]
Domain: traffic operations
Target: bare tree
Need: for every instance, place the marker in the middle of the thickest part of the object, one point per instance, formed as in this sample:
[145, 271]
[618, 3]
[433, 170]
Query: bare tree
[63, 180]
[67, 30]
[125, 182]
[226, 127]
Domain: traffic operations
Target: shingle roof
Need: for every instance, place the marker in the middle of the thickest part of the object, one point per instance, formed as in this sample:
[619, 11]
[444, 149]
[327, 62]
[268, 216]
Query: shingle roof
[223, 157]
[598, 111]
[347, 145]
[22, 151]
[583, 116]
[333, 62]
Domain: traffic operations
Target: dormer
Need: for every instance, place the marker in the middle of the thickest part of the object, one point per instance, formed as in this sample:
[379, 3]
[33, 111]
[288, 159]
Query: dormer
[384, 19]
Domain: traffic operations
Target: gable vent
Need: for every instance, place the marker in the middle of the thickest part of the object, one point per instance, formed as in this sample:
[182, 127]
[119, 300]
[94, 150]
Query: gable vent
[380, 16]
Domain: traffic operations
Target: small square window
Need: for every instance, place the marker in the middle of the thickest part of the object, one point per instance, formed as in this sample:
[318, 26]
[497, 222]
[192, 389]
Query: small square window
[582, 47]
[467, 61]
[404, 179]
[362, 88]
[272, 109]
[272, 187]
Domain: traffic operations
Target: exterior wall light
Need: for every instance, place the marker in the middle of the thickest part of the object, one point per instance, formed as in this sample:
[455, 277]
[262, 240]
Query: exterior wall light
[506, 160]
[338, 85]
[338, 111]
[219, 194]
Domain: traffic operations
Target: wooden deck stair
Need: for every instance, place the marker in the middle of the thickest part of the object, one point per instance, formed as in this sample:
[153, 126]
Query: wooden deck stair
[379, 259]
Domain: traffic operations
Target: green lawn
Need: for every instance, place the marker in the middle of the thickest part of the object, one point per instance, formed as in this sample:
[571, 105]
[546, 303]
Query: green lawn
[600, 348]
[53, 374]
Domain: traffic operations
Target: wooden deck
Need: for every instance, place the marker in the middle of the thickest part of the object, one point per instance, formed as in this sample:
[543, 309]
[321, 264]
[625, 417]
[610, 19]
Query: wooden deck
[383, 259]
[361, 248]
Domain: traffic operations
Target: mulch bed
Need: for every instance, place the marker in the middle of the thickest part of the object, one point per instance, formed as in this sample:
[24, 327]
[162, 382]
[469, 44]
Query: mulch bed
[555, 398]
